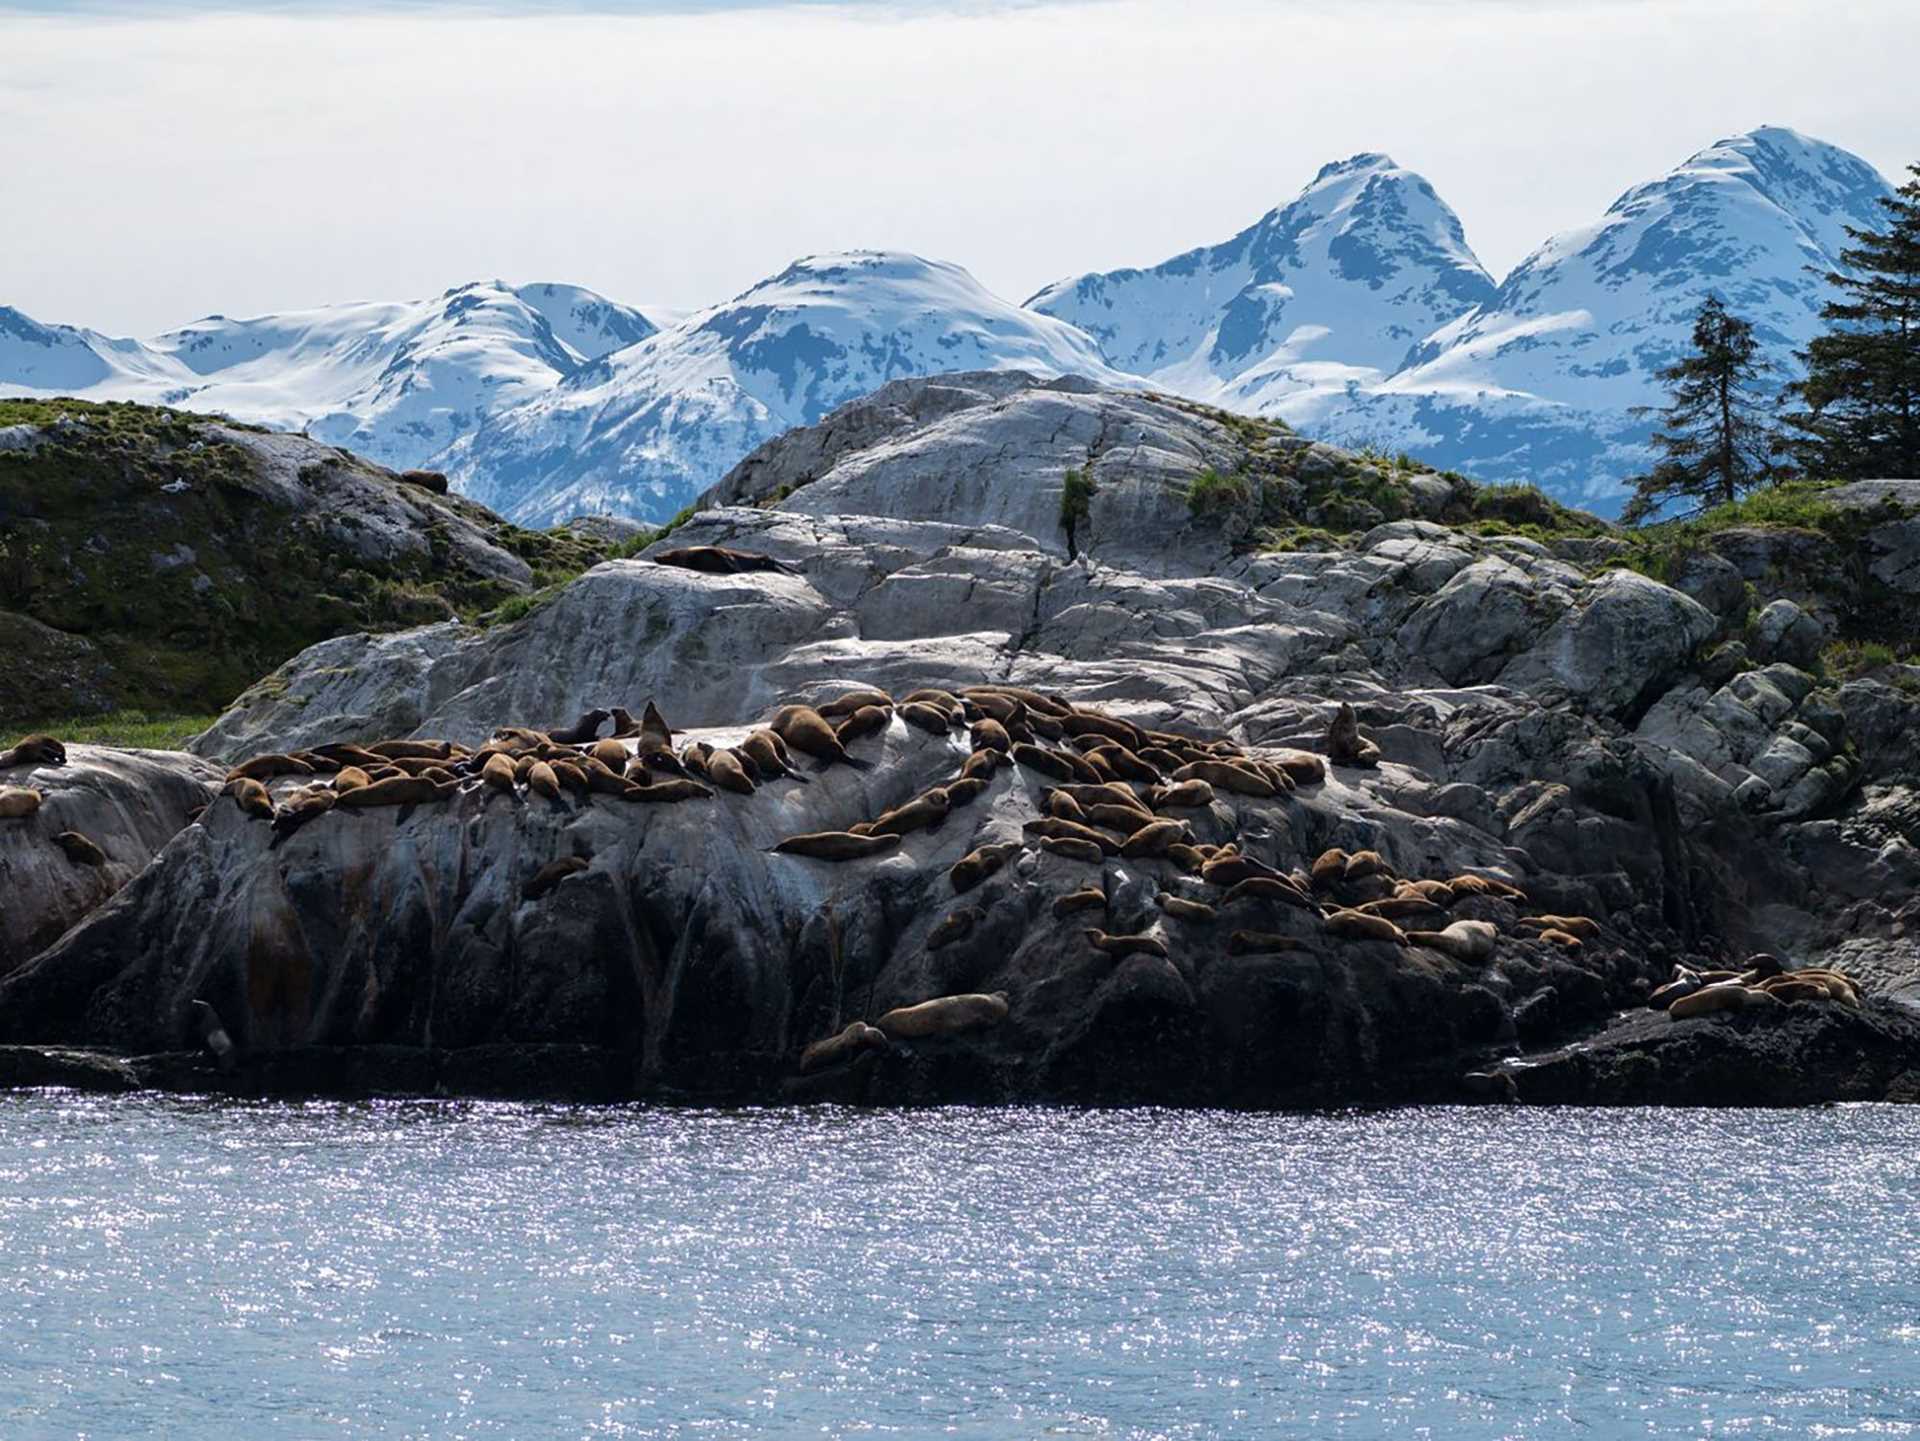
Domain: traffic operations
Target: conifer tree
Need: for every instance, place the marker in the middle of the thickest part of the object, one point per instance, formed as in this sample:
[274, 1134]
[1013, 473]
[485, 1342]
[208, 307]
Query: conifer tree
[1861, 394]
[1714, 440]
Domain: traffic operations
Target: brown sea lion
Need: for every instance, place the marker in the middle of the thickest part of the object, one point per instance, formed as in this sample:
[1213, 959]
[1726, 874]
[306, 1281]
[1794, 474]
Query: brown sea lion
[1120, 947]
[945, 1016]
[500, 773]
[1303, 768]
[965, 790]
[725, 771]
[1586, 928]
[1072, 848]
[34, 750]
[1329, 867]
[946, 700]
[1184, 909]
[572, 778]
[1709, 1000]
[691, 761]
[1227, 776]
[1051, 764]
[1471, 941]
[1109, 793]
[849, 703]
[989, 734]
[1125, 764]
[868, 720]
[655, 747]
[1064, 806]
[1268, 888]
[603, 780]
[1232, 868]
[1362, 864]
[981, 764]
[719, 560]
[1345, 745]
[542, 781]
[433, 750]
[1559, 938]
[803, 729]
[1088, 722]
[625, 727]
[582, 730]
[924, 812]
[551, 874]
[1358, 926]
[1190, 795]
[1054, 828]
[1124, 820]
[342, 754]
[611, 754]
[1086, 898]
[858, 1037]
[1263, 943]
[83, 852]
[956, 925]
[1407, 912]
[1153, 840]
[979, 863]
[836, 846]
[1036, 701]
[19, 802]
[308, 803]
[1190, 859]
[923, 715]
[395, 791]
[1794, 990]
[1439, 892]
[994, 705]
[251, 797]
[667, 791]
[265, 768]
[1471, 885]
[1664, 996]
[769, 756]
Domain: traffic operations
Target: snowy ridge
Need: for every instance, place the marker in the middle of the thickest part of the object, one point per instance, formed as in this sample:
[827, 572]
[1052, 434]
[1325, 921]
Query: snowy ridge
[647, 429]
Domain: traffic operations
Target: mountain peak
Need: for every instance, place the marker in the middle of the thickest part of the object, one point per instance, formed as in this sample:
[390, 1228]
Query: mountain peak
[1354, 164]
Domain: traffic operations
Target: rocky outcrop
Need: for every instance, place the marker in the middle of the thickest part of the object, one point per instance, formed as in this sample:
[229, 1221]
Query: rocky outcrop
[1540, 720]
[127, 803]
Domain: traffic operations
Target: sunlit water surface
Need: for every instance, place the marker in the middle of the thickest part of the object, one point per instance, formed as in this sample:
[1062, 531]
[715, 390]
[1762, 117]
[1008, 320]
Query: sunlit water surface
[178, 1268]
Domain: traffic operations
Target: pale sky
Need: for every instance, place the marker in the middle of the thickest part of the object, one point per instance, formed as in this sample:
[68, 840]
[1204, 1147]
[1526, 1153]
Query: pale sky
[168, 159]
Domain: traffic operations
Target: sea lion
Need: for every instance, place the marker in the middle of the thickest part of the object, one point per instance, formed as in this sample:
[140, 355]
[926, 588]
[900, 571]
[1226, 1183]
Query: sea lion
[946, 700]
[1153, 840]
[1087, 722]
[995, 705]
[1329, 867]
[424, 750]
[625, 727]
[1232, 868]
[803, 728]
[572, 778]
[1793, 990]
[551, 874]
[1191, 795]
[1120, 947]
[603, 780]
[34, 750]
[1065, 807]
[1225, 775]
[719, 560]
[769, 755]
[669, 790]
[1472, 885]
[851, 703]
[1586, 928]
[979, 863]
[1261, 943]
[1345, 745]
[582, 730]
[692, 760]
[1439, 892]
[265, 768]
[836, 846]
[1358, 926]
[397, 791]
[957, 925]
[868, 720]
[1561, 939]
[964, 790]
[923, 812]
[989, 734]
[1054, 765]
[835, 1049]
[250, 796]
[1072, 848]
[1184, 909]
[946, 1016]
[1125, 764]
[83, 852]
[1362, 864]
[19, 802]
[1463, 940]
[1407, 912]
[1664, 996]
[498, 772]
[725, 771]
[981, 764]
[1093, 766]
[1709, 1000]
[523, 766]
[611, 754]
[212, 1035]
[1033, 700]
[1054, 828]
[923, 715]
[655, 747]
[1190, 859]
[1303, 768]
[306, 804]
[542, 781]
[1086, 898]
[1269, 888]
[1108, 793]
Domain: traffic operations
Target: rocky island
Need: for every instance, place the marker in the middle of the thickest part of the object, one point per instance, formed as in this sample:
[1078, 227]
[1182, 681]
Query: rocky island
[1003, 739]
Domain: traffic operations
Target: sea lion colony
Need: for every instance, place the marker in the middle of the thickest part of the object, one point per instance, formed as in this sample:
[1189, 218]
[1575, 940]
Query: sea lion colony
[1108, 789]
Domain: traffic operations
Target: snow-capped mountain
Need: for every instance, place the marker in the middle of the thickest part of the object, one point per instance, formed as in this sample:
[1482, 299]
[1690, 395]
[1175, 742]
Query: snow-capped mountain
[1331, 289]
[645, 430]
[396, 381]
[1539, 382]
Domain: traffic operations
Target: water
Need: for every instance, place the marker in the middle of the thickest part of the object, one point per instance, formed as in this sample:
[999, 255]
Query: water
[180, 1268]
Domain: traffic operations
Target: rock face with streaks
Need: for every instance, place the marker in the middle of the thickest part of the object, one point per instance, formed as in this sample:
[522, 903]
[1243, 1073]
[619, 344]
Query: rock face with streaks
[1566, 732]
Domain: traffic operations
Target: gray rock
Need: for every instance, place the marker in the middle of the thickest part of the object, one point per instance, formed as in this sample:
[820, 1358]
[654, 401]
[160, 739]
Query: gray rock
[1784, 632]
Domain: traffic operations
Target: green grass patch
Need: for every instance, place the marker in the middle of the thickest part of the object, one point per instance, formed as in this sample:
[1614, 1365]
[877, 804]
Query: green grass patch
[134, 729]
[1211, 492]
[1076, 499]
